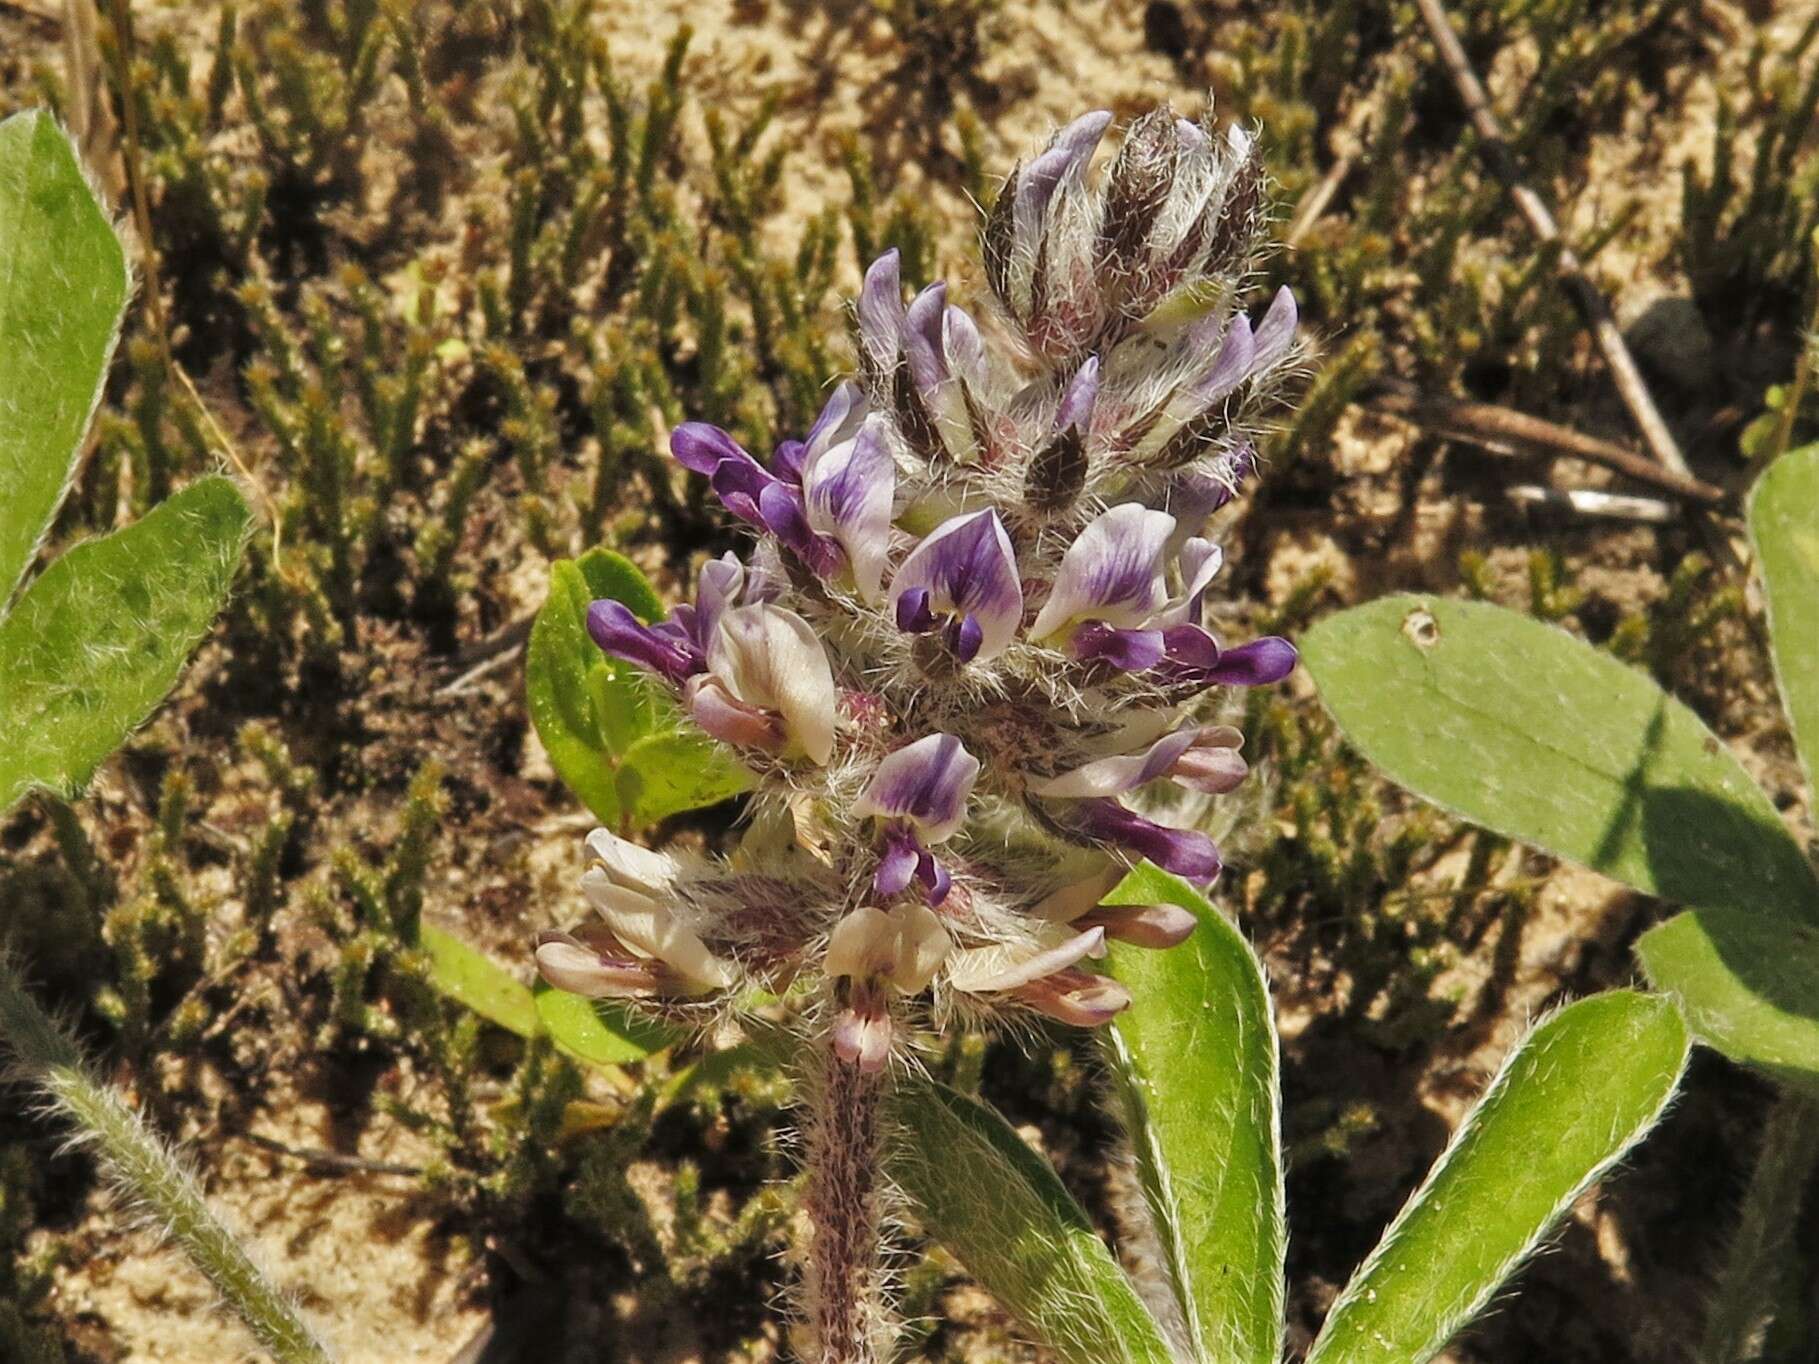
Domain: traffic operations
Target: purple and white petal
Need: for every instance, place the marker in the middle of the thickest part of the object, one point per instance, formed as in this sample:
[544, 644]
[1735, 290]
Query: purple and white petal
[1200, 562]
[651, 929]
[1067, 157]
[880, 310]
[1076, 409]
[1276, 333]
[967, 567]
[1186, 852]
[838, 421]
[1112, 573]
[926, 782]
[569, 964]
[923, 348]
[848, 488]
[717, 587]
[1114, 776]
[703, 447]
[1233, 364]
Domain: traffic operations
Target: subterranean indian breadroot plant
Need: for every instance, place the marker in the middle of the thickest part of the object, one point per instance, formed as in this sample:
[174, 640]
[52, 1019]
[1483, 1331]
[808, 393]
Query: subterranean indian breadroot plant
[973, 622]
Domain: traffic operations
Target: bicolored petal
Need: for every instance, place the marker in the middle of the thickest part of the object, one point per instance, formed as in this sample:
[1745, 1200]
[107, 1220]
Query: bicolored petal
[1186, 852]
[1114, 776]
[703, 447]
[1066, 158]
[1076, 410]
[569, 964]
[769, 657]
[927, 783]
[838, 420]
[967, 568]
[880, 310]
[718, 586]
[848, 489]
[1112, 573]
[1276, 333]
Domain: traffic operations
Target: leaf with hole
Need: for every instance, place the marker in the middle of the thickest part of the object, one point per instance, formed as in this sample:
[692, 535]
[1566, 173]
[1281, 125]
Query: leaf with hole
[100, 636]
[1581, 1089]
[1195, 1061]
[1518, 726]
[63, 284]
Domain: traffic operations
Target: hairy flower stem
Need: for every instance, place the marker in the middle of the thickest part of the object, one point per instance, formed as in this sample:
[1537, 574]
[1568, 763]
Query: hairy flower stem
[148, 1173]
[1756, 1266]
[842, 1297]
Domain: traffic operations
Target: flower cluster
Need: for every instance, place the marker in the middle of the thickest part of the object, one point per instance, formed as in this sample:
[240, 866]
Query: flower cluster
[973, 631]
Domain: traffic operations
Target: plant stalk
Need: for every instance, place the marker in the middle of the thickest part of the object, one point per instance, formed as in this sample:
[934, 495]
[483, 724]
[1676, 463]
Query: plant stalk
[842, 1294]
[1755, 1268]
[149, 1173]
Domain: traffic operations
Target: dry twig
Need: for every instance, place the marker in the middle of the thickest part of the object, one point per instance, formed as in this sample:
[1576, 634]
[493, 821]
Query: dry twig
[1592, 305]
[1503, 428]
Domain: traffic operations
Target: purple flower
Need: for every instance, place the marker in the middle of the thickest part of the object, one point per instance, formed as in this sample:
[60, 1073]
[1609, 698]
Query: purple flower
[675, 649]
[1204, 758]
[1186, 852]
[880, 310]
[1076, 410]
[1113, 573]
[1044, 976]
[920, 794]
[962, 580]
[847, 488]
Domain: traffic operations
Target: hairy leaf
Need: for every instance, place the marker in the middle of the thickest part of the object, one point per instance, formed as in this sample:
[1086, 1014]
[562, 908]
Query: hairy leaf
[980, 1190]
[1519, 727]
[63, 283]
[1195, 1057]
[601, 1034]
[100, 636]
[664, 774]
[1784, 522]
[1580, 1090]
[1747, 983]
[613, 737]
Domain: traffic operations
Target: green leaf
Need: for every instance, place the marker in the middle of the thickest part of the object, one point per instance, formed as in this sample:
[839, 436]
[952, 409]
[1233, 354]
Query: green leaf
[100, 636]
[665, 774]
[600, 1034]
[471, 978]
[617, 742]
[1747, 983]
[575, 693]
[981, 1191]
[63, 283]
[1784, 522]
[1579, 1091]
[1519, 727]
[1195, 1057]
